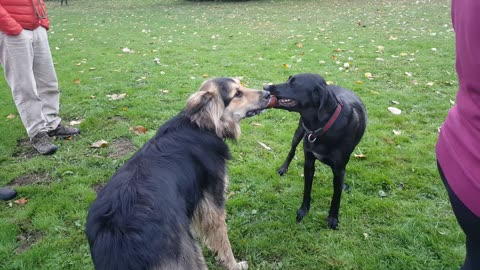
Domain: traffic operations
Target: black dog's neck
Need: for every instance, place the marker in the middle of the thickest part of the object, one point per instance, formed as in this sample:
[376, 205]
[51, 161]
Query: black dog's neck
[313, 120]
[324, 121]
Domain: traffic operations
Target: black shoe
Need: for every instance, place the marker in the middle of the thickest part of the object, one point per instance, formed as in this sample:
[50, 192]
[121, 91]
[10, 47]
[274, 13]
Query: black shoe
[43, 143]
[7, 194]
[62, 131]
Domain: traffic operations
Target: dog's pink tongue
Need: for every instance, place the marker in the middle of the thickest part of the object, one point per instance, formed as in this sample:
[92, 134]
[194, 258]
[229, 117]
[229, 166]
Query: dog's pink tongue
[272, 102]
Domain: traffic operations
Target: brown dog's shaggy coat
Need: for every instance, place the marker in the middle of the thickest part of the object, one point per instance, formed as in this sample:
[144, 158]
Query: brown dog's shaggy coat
[173, 189]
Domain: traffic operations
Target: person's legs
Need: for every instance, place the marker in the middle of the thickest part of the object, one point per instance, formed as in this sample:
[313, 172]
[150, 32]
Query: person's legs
[17, 58]
[469, 223]
[46, 78]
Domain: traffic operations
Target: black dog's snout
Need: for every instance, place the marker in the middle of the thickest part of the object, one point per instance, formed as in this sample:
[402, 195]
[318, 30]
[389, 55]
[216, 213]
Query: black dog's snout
[266, 94]
[268, 87]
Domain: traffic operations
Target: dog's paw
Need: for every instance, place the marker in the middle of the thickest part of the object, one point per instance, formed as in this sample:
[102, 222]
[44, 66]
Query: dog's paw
[332, 223]
[242, 265]
[302, 212]
[282, 171]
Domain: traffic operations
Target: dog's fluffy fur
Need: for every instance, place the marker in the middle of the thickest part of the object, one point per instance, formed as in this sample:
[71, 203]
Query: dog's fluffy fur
[173, 188]
[316, 102]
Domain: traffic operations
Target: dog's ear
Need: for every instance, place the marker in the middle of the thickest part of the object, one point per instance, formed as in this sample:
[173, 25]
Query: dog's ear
[319, 92]
[323, 96]
[198, 102]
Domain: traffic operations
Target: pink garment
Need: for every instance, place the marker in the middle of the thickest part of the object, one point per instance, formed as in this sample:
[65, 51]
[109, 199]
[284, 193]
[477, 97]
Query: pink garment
[458, 146]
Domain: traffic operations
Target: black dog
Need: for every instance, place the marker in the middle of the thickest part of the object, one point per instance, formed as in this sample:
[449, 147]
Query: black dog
[333, 120]
[174, 187]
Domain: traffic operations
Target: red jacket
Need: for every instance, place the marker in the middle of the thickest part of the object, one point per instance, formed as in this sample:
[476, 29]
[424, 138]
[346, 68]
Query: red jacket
[16, 15]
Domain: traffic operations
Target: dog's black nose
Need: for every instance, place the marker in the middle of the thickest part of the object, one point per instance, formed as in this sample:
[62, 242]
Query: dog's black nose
[265, 94]
[267, 87]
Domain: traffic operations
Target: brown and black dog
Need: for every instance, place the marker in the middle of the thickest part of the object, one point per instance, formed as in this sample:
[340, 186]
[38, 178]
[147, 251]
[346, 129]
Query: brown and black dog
[332, 122]
[173, 189]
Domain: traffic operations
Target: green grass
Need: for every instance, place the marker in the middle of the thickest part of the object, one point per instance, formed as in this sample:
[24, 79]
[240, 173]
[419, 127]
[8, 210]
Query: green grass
[411, 228]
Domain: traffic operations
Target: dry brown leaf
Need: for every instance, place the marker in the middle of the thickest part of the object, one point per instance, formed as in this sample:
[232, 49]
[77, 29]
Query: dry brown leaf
[98, 144]
[11, 116]
[138, 130]
[286, 66]
[299, 45]
[76, 81]
[21, 201]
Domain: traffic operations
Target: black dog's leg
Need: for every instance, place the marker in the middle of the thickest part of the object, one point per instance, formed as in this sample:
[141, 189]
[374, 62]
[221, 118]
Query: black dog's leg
[338, 180]
[297, 137]
[308, 172]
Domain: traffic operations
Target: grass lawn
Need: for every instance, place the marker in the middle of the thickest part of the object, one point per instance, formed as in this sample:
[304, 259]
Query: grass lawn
[393, 53]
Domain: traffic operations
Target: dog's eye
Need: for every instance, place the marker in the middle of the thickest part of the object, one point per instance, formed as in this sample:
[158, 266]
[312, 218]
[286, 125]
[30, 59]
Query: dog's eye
[238, 94]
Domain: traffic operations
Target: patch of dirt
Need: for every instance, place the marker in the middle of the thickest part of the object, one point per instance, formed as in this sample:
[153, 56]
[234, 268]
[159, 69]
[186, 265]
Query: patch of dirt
[121, 147]
[28, 179]
[98, 187]
[118, 118]
[25, 149]
[26, 239]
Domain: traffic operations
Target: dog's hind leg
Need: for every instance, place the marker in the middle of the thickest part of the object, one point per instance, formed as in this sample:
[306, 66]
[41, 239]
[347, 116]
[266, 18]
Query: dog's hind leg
[209, 224]
[308, 172]
[297, 137]
[338, 180]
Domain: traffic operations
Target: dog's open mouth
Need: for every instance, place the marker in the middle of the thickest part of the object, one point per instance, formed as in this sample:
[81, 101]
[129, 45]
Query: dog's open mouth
[254, 112]
[283, 102]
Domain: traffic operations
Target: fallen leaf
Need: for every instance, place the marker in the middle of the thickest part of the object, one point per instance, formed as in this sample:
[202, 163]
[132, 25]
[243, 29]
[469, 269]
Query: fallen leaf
[394, 110]
[205, 76]
[382, 193]
[256, 124]
[116, 96]
[337, 50]
[138, 130]
[91, 69]
[299, 45]
[409, 74]
[395, 102]
[365, 235]
[379, 59]
[375, 92]
[360, 156]
[93, 97]
[397, 132]
[76, 81]
[369, 75]
[451, 102]
[21, 201]
[98, 144]
[330, 82]
[264, 146]
[359, 82]
[156, 60]
[127, 50]
[164, 91]
[380, 49]
[76, 122]
[286, 66]
[430, 83]
[11, 116]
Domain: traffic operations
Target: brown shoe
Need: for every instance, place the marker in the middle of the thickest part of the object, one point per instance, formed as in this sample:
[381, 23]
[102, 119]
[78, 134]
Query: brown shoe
[62, 131]
[43, 143]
